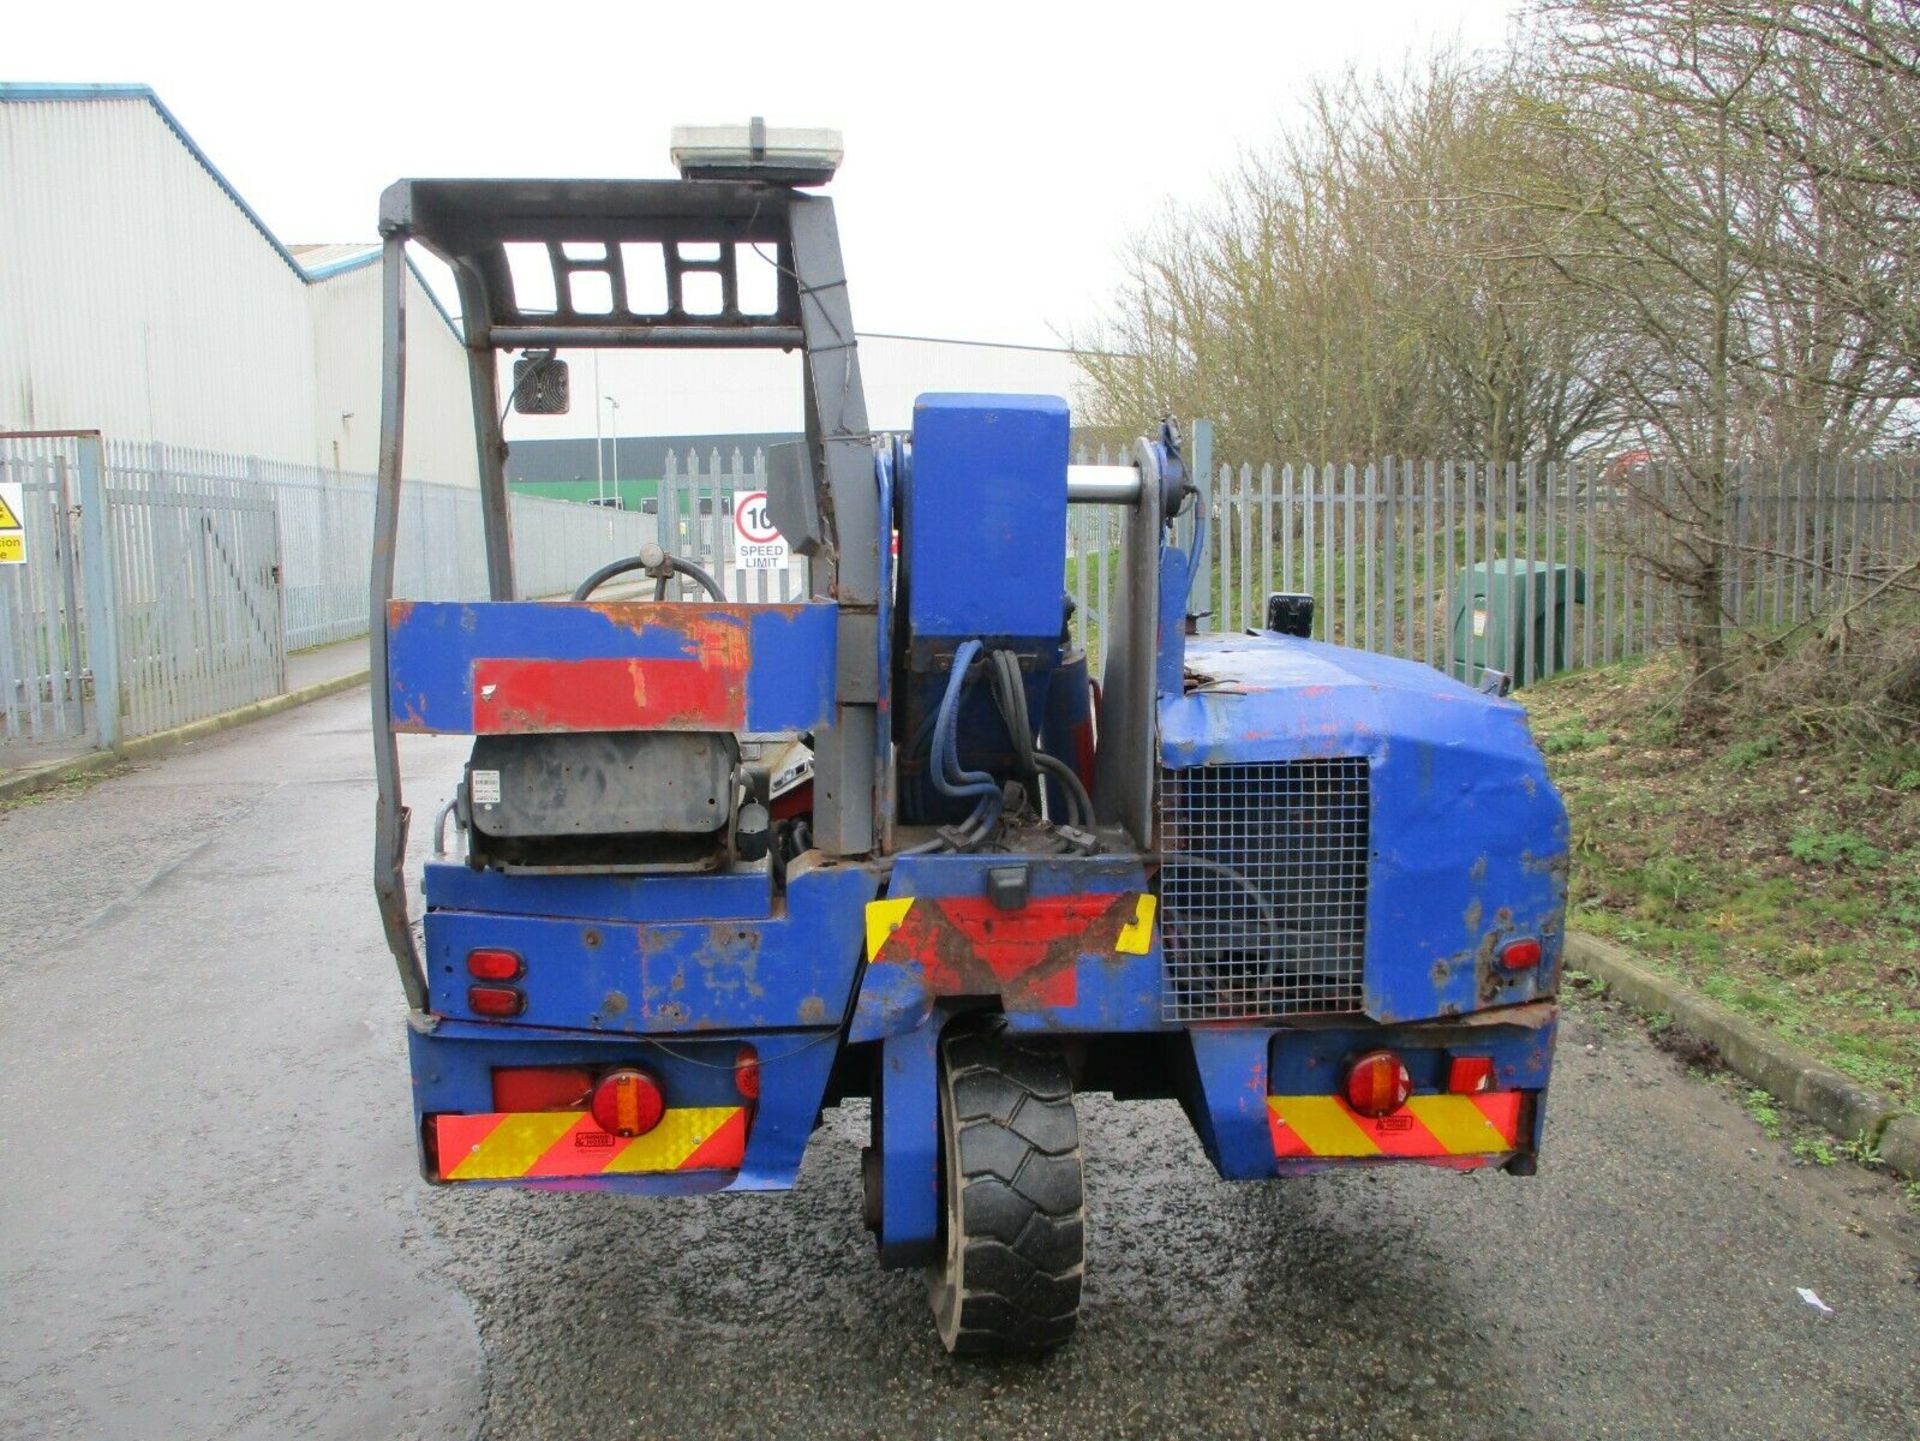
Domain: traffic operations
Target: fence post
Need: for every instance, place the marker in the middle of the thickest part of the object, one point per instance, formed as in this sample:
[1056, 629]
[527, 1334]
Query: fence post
[103, 612]
[1199, 467]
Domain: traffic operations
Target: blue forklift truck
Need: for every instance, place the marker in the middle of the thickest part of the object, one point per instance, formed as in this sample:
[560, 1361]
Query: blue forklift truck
[717, 866]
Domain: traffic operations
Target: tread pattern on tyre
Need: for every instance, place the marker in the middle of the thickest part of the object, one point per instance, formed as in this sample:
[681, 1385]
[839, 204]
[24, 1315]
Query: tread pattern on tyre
[1022, 1200]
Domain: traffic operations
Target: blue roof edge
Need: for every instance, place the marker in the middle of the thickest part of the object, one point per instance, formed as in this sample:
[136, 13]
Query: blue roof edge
[30, 91]
[343, 265]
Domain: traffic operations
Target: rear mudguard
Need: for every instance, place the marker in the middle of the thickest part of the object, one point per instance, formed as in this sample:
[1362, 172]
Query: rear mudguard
[453, 1074]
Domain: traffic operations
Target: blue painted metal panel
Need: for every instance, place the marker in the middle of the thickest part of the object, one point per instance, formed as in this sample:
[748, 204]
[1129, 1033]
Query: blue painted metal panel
[1171, 658]
[731, 895]
[984, 541]
[781, 655]
[792, 969]
[1469, 837]
[909, 1110]
[453, 1072]
[1227, 1099]
[889, 467]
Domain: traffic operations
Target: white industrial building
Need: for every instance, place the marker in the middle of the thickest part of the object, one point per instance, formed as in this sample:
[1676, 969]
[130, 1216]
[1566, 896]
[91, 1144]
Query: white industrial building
[142, 297]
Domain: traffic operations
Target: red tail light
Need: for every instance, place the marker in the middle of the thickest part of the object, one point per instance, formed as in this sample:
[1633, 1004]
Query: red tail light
[1518, 955]
[1378, 1084]
[541, 1088]
[492, 965]
[746, 1073]
[495, 1001]
[628, 1103]
[1468, 1075]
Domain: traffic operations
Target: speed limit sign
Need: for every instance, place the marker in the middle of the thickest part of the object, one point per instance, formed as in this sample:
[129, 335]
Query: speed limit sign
[758, 544]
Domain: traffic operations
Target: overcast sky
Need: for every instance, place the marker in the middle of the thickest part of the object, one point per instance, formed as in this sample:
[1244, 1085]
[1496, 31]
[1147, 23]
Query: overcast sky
[998, 155]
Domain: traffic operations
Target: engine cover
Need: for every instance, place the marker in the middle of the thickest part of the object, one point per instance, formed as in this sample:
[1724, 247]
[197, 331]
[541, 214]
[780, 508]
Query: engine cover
[610, 799]
[1348, 833]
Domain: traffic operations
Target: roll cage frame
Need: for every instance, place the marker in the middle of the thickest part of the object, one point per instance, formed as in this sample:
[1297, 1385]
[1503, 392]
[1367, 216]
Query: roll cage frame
[699, 226]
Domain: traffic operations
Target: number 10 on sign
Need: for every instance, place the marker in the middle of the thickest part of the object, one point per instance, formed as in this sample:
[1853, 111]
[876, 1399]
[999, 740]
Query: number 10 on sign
[757, 545]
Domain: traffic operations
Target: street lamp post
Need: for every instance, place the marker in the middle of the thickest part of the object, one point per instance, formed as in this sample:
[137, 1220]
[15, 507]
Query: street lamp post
[616, 451]
[599, 445]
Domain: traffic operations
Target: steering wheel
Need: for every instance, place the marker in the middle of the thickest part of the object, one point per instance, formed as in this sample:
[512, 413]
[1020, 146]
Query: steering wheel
[655, 562]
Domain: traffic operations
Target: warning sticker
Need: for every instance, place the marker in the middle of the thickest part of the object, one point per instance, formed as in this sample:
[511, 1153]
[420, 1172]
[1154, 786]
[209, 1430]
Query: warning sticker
[13, 526]
[1479, 623]
[486, 788]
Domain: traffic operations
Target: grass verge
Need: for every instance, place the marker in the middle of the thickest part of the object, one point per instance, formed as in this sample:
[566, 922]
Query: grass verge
[1774, 870]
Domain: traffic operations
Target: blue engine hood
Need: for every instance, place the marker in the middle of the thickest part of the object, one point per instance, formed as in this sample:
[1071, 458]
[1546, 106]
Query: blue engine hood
[1468, 836]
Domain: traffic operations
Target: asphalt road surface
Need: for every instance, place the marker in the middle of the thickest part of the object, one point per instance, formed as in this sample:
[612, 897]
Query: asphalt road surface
[210, 1224]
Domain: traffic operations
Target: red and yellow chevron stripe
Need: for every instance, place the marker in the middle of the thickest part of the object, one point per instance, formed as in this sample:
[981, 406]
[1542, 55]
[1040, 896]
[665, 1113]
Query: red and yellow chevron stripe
[532, 1145]
[1426, 1127]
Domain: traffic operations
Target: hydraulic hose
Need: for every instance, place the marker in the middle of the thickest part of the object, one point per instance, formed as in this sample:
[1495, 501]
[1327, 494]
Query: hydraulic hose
[948, 775]
[1071, 783]
[1010, 694]
[1198, 547]
[946, 746]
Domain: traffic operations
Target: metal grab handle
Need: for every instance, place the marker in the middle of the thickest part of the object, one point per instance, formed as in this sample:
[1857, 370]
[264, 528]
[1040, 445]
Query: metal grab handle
[1103, 484]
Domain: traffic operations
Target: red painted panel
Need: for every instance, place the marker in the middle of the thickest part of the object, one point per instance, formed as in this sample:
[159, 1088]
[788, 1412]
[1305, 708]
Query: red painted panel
[1503, 1109]
[967, 946]
[1287, 1143]
[528, 697]
[724, 1149]
[1019, 945]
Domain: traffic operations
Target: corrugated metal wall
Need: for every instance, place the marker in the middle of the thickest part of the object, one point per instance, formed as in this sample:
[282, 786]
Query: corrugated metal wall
[346, 342]
[138, 299]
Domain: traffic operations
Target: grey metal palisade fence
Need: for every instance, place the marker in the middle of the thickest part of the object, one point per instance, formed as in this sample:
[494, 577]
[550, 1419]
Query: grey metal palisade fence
[1382, 548]
[213, 567]
[218, 565]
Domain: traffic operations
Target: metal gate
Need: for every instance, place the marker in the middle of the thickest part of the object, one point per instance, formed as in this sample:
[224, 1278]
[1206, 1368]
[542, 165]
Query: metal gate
[45, 688]
[196, 564]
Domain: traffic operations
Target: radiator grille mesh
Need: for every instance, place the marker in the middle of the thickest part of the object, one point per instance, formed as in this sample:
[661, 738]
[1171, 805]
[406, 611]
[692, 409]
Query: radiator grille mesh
[1263, 888]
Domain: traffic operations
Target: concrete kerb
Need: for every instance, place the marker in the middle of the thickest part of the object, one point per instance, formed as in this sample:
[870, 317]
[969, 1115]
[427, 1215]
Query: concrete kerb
[1900, 1145]
[32, 779]
[1799, 1080]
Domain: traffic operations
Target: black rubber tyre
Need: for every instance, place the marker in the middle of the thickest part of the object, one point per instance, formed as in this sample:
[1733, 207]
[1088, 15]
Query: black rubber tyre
[1015, 1243]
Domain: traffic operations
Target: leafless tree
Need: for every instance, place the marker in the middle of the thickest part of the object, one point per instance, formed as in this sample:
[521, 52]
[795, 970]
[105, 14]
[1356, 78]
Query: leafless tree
[1349, 295]
[1757, 307]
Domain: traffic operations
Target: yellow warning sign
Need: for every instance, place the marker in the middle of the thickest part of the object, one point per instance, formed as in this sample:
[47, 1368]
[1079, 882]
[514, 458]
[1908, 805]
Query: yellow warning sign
[13, 530]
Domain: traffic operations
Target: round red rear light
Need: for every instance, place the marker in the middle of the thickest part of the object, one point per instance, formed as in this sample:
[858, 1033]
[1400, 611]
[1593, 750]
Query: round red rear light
[746, 1073]
[1378, 1084]
[628, 1103]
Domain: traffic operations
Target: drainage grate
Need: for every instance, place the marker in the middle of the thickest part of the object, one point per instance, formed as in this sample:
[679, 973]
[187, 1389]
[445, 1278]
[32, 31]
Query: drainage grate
[1263, 888]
